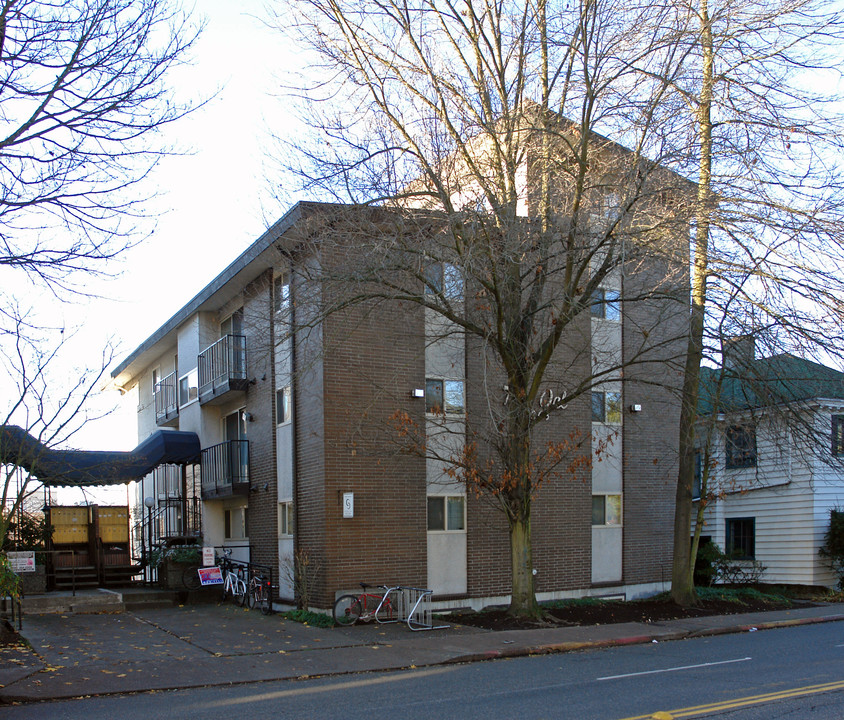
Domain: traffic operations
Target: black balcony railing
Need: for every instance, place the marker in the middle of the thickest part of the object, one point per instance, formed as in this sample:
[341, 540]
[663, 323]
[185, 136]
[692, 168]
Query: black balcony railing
[166, 399]
[222, 367]
[225, 469]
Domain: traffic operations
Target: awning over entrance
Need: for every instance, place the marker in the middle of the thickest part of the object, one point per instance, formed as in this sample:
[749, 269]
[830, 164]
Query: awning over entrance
[94, 467]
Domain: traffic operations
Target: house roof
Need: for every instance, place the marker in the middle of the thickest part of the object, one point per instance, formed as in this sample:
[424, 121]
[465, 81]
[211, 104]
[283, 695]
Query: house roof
[767, 381]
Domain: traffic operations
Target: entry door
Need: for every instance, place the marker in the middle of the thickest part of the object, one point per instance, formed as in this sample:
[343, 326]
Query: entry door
[235, 430]
[233, 325]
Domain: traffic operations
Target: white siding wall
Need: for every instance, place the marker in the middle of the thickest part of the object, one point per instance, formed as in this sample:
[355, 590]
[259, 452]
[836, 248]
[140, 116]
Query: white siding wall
[789, 494]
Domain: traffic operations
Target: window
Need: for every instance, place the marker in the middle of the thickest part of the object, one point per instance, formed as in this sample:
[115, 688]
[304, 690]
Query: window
[606, 509]
[443, 278]
[285, 519]
[281, 292]
[838, 435]
[741, 446]
[447, 513]
[188, 385]
[605, 304]
[606, 407]
[235, 523]
[233, 324]
[282, 405]
[444, 397]
[698, 480]
[156, 378]
[741, 538]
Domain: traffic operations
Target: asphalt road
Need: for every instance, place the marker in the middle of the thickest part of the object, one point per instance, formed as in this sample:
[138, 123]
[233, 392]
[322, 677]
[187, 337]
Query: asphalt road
[791, 672]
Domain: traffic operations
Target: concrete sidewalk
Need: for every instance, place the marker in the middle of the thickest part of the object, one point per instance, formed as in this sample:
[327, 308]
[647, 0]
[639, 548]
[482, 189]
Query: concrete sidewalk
[76, 654]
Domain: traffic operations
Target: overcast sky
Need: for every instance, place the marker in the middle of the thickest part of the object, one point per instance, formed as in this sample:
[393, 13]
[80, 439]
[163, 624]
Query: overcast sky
[213, 201]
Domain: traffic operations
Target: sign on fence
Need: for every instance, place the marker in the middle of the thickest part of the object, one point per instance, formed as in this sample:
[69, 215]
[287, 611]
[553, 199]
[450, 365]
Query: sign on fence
[22, 560]
[210, 576]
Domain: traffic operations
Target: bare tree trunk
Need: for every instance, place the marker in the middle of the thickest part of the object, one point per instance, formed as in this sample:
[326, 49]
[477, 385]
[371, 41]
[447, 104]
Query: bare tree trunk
[523, 602]
[682, 585]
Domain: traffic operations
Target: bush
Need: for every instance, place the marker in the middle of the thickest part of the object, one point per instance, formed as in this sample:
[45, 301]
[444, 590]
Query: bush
[306, 617]
[833, 545]
[707, 554]
[719, 567]
[9, 581]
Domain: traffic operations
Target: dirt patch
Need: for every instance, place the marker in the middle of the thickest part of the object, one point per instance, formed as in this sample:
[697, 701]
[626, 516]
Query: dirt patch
[8, 636]
[603, 613]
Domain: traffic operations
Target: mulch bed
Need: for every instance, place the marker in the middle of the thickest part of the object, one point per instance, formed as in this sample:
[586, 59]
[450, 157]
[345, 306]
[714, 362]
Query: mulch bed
[650, 610]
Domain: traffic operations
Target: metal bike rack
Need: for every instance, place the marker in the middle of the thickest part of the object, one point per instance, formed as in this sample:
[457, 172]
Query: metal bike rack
[414, 608]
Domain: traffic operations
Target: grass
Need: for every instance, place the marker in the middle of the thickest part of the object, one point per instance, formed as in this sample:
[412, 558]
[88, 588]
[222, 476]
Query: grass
[577, 602]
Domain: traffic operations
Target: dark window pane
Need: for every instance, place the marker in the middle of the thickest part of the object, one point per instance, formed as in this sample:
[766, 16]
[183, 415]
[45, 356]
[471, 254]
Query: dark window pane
[433, 278]
[436, 513]
[434, 396]
[741, 538]
[838, 434]
[597, 303]
[598, 407]
[741, 446]
[598, 510]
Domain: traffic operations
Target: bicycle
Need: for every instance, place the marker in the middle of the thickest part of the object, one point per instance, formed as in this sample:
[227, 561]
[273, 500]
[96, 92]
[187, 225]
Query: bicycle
[234, 583]
[190, 577]
[348, 609]
[259, 594]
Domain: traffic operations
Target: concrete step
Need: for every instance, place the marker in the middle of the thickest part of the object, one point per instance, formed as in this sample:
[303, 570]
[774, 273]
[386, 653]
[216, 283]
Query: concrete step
[84, 601]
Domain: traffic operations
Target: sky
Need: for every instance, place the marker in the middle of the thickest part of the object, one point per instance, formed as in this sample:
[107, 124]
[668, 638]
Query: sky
[212, 201]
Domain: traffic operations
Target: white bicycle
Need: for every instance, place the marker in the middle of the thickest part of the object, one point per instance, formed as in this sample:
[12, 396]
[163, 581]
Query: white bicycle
[234, 585]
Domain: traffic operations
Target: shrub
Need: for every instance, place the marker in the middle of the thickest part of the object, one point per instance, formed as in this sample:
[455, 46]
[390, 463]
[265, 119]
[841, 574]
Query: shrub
[730, 569]
[833, 545]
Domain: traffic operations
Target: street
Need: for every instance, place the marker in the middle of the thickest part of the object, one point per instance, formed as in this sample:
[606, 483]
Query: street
[786, 672]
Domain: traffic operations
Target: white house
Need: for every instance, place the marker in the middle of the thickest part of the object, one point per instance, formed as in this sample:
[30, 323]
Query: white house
[773, 442]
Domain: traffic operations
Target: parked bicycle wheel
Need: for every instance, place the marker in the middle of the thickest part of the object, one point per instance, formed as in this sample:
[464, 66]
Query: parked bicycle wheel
[346, 610]
[190, 577]
[240, 593]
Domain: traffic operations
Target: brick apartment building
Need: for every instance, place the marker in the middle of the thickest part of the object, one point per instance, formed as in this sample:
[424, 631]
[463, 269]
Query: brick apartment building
[301, 450]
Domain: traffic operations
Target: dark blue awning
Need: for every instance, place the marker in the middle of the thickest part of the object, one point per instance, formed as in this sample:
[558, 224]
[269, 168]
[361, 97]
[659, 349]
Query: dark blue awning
[94, 467]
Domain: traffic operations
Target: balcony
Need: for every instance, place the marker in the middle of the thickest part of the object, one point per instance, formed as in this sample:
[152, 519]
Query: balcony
[222, 369]
[225, 469]
[166, 401]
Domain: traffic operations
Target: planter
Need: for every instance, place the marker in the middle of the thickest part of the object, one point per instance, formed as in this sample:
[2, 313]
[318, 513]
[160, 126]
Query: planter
[34, 583]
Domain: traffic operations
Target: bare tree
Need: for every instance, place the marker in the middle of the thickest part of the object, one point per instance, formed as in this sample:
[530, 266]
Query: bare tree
[47, 409]
[82, 86]
[758, 83]
[477, 127]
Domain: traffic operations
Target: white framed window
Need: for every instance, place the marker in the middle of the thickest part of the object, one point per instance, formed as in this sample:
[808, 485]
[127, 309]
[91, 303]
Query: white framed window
[446, 513]
[444, 397]
[283, 408]
[443, 279]
[156, 378]
[285, 519]
[606, 510]
[235, 523]
[281, 292]
[188, 388]
[605, 304]
[606, 407]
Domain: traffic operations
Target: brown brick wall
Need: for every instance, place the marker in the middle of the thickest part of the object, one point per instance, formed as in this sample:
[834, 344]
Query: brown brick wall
[374, 356]
[262, 516]
[651, 436]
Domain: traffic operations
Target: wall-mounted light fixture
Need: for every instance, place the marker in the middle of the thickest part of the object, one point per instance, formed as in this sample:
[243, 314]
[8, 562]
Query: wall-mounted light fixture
[635, 408]
[248, 417]
[418, 393]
